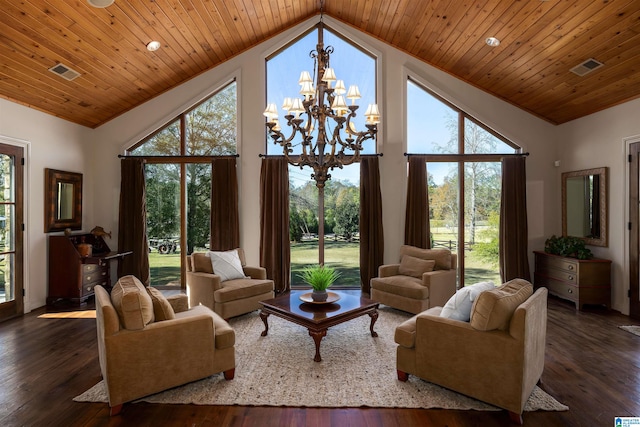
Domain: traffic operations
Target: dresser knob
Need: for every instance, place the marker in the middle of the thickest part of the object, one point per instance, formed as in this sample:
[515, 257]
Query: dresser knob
[570, 277]
[570, 267]
[570, 291]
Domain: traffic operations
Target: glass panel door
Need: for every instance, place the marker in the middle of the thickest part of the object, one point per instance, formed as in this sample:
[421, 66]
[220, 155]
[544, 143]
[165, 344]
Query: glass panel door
[163, 223]
[482, 222]
[11, 287]
[164, 182]
[342, 225]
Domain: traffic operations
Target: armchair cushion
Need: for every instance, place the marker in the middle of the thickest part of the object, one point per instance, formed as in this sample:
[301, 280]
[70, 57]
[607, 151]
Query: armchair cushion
[132, 303]
[442, 257]
[201, 263]
[459, 305]
[227, 265]
[236, 289]
[403, 286]
[179, 302]
[412, 266]
[162, 309]
[493, 309]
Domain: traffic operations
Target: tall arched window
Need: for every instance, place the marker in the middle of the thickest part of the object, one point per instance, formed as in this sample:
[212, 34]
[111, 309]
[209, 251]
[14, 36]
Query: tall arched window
[178, 181]
[464, 180]
[342, 194]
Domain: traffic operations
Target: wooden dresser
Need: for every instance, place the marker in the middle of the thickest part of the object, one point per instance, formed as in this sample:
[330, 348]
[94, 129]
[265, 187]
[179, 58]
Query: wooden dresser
[581, 281]
[73, 276]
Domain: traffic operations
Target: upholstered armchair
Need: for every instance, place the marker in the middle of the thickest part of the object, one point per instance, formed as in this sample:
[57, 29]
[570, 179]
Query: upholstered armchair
[232, 288]
[423, 278]
[148, 343]
[497, 357]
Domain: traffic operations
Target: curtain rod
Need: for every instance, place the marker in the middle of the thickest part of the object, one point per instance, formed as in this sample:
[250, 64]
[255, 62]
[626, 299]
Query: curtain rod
[463, 155]
[264, 156]
[123, 156]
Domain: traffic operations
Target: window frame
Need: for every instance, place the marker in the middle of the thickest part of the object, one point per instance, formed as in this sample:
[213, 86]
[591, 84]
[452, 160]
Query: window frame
[461, 158]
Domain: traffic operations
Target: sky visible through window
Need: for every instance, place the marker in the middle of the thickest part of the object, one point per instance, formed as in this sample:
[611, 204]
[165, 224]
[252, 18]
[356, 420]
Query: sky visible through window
[349, 63]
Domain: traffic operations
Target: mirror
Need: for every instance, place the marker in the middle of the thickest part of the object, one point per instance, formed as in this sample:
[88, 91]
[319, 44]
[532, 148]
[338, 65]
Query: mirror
[63, 200]
[584, 205]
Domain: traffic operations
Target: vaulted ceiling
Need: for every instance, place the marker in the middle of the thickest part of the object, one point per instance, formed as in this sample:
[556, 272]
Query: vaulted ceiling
[541, 41]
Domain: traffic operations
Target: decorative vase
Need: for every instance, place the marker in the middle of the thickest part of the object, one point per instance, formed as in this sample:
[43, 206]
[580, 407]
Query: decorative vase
[85, 250]
[319, 296]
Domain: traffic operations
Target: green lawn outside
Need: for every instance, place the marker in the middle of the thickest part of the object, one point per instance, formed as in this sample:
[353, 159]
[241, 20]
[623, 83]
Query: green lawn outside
[476, 269]
[344, 256]
[165, 269]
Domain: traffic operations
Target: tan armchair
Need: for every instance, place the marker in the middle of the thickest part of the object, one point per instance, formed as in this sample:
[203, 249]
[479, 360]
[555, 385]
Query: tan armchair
[423, 278]
[228, 298]
[148, 343]
[497, 357]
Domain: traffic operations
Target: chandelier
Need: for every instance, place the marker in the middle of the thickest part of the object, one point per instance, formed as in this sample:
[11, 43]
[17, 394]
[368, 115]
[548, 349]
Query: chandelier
[321, 119]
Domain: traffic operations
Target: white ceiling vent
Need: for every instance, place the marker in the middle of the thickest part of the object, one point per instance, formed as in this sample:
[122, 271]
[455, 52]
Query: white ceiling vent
[64, 71]
[586, 67]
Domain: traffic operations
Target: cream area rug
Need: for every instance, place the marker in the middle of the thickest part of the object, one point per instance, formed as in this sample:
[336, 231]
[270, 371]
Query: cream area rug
[634, 329]
[356, 370]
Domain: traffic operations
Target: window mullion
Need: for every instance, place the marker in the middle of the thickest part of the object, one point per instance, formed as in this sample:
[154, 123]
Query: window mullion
[461, 206]
[183, 205]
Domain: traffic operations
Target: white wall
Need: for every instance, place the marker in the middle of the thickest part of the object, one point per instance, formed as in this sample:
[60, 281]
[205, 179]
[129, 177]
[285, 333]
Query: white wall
[49, 143]
[597, 141]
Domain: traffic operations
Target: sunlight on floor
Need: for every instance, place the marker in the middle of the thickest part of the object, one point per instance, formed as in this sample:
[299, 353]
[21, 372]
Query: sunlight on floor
[85, 314]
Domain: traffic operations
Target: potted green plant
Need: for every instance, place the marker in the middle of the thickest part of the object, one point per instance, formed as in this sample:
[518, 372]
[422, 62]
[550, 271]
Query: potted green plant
[567, 246]
[320, 278]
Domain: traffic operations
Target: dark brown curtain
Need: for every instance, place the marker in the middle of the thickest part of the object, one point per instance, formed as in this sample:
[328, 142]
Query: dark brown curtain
[371, 232]
[225, 222]
[514, 261]
[132, 224]
[416, 228]
[275, 255]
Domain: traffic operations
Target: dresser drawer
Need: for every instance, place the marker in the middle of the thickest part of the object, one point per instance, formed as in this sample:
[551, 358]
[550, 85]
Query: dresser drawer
[561, 275]
[557, 263]
[563, 289]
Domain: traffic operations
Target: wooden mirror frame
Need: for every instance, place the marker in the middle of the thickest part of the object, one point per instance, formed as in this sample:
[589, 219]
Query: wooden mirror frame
[52, 179]
[604, 204]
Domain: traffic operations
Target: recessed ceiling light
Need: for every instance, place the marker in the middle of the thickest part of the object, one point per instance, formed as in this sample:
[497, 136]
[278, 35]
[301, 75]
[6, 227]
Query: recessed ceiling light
[152, 46]
[100, 3]
[492, 41]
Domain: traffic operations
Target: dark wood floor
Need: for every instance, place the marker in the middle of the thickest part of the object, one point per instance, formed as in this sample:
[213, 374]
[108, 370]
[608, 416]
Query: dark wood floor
[591, 365]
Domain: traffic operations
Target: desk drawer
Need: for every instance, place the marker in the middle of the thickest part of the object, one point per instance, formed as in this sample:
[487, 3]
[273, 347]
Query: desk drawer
[94, 275]
[89, 268]
[88, 289]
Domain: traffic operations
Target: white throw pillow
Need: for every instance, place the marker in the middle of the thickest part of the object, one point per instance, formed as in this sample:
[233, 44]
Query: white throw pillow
[227, 265]
[459, 305]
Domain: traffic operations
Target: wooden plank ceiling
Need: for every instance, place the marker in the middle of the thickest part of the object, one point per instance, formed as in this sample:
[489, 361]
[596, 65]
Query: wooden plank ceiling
[541, 42]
